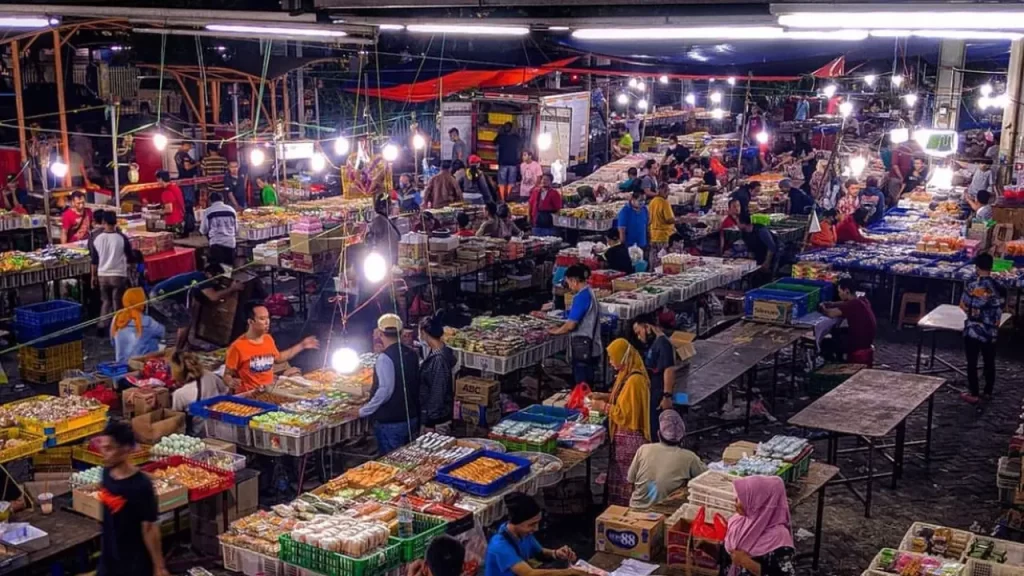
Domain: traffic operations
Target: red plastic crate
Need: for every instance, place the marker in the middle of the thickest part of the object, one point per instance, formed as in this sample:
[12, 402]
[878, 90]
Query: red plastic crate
[170, 263]
[603, 278]
[196, 494]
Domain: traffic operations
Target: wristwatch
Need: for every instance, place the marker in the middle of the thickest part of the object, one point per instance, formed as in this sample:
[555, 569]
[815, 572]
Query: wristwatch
[666, 395]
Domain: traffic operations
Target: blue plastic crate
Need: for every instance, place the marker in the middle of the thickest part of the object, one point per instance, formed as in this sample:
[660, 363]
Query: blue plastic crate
[48, 313]
[542, 421]
[522, 471]
[112, 369]
[828, 289]
[562, 414]
[39, 335]
[202, 409]
[799, 300]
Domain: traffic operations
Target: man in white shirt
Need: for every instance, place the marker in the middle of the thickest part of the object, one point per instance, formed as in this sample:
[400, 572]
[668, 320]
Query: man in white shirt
[110, 251]
[983, 179]
[220, 225]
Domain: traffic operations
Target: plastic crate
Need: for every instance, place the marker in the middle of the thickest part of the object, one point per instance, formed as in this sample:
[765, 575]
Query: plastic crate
[61, 357]
[286, 443]
[541, 420]
[237, 460]
[202, 409]
[225, 482]
[46, 314]
[112, 369]
[425, 528]
[514, 445]
[522, 471]
[335, 564]
[828, 377]
[250, 563]
[51, 428]
[241, 435]
[83, 454]
[32, 444]
[798, 300]
[813, 292]
[53, 457]
[564, 414]
[76, 433]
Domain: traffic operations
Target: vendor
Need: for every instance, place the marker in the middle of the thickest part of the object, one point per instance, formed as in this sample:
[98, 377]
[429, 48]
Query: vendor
[798, 202]
[623, 146]
[442, 188]
[745, 193]
[633, 220]
[508, 222]
[848, 230]
[759, 539]
[872, 196]
[220, 226]
[437, 380]
[731, 220]
[631, 182]
[382, 235]
[660, 360]
[982, 302]
[251, 358]
[679, 152]
[661, 468]
[706, 188]
[14, 197]
[133, 332]
[545, 202]
[530, 171]
[268, 195]
[76, 221]
[805, 154]
[628, 408]
[445, 556]
[197, 382]
[857, 340]
[826, 237]
[462, 221]
[918, 176]
[514, 547]
[649, 178]
[235, 183]
[473, 183]
[980, 205]
[662, 225]
[582, 323]
[173, 201]
[616, 257]
[395, 396]
[492, 226]
[761, 243]
[407, 194]
[983, 178]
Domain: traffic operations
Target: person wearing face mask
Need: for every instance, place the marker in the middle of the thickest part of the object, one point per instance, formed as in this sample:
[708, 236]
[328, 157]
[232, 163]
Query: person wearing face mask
[510, 551]
[633, 221]
[407, 195]
[583, 323]
[437, 386]
[660, 359]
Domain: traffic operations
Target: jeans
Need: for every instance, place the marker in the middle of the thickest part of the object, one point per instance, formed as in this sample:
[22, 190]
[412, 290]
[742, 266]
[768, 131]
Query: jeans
[221, 255]
[583, 372]
[111, 292]
[544, 231]
[393, 436]
[988, 353]
[507, 175]
[189, 194]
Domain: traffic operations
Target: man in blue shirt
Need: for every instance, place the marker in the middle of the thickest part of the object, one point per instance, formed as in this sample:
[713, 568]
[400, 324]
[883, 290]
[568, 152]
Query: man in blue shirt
[582, 321]
[761, 244]
[872, 195]
[983, 302]
[632, 221]
[800, 202]
[510, 551]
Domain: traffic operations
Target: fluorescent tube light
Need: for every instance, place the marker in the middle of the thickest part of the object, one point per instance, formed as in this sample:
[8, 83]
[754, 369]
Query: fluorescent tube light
[469, 29]
[24, 22]
[276, 30]
[923, 20]
[948, 34]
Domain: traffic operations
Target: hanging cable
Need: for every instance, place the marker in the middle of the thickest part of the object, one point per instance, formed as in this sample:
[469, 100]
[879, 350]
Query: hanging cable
[160, 82]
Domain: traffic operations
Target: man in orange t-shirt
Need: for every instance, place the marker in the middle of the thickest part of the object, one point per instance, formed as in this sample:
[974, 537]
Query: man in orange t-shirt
[251, 358]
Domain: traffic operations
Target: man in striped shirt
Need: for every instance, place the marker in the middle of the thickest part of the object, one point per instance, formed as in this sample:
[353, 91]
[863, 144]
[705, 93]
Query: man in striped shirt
[215, 165]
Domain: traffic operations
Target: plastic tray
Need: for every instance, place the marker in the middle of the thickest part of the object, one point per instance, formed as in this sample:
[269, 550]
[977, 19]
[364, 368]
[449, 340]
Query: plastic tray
[76, 433]
[558, 412]
[514, 445]
[32, 445]
[250, 563]
[237, 460]
[48, 428]
[541, 420]
[241, 435]
[226, 481]
[202, 409]
[286, 443]
[955, 554]
[425, 528]
[112, 369]
[335, 564]
[522, 471]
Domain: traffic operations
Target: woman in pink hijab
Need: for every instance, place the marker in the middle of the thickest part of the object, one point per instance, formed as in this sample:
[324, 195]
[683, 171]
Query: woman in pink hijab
[759, 539]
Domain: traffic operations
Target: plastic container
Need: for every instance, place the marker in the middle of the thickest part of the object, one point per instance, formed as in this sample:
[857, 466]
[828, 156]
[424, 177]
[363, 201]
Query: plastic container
[557, 412]
[45, 500]
[954, 552]
[112, 369]
[545, 479]
[52, 359]
[225, 481]
[248, 562]
[205, 456]
[44, 315]
[51, 428]
[293, 445]
[76, 433]
[334, 564]
[522, 471]
[828, 289]
[799, 301]
[32, 444]
[424, 529]
[241, 435]
[202, 409]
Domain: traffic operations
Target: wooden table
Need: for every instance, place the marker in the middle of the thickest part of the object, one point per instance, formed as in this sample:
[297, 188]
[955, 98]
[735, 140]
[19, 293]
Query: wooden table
[67, 531]
[870, 406]
[945, 318]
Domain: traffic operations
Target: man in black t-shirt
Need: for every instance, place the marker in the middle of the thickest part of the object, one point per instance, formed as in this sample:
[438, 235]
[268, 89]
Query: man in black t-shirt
[187, 168]
[616, 257]
[130, 544]
[679, 152]
[510, 153]
[660, 360]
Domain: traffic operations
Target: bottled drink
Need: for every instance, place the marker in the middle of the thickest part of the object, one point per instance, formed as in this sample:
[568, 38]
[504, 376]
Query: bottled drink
[405, 529]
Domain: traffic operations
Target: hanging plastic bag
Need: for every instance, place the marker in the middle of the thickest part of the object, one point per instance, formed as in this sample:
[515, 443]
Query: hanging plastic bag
[577, 399]
[715, 530]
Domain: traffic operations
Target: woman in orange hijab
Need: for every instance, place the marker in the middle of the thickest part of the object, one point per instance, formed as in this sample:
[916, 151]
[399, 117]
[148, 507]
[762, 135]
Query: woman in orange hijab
[628, 408]
[132, 332]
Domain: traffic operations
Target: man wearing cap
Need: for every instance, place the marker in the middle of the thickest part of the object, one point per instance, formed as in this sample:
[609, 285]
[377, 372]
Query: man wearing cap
[660, 468]
[473, 183]
[395, 396]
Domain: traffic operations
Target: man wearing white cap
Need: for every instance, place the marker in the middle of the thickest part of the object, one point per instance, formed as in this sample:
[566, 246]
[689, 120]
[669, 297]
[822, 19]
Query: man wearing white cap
[395, 396]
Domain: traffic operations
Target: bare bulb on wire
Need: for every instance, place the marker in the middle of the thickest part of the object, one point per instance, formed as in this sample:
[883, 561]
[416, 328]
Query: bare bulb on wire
[318, 162]
[160, 142]
[256, 157]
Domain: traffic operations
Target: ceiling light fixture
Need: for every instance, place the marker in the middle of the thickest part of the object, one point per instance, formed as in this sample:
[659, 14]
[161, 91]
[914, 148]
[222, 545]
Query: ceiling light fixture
[948, 34]
[870, 79]
[277, 30]
[716, 97]
[26, 22]
[469, 29]
[663, 79]
[897, 80]
[391, 27]
[923, 20]
[691, 99]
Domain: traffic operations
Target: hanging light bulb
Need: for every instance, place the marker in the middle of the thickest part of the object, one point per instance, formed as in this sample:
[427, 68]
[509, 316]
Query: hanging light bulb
[345, 360]
[857, 165]
[632, 82]
[717, 114]
[419, 142]
[899, 135]
[318, 162]
[389, 152]
[942, 178]
[846, 108]
[731, 80]
[159, 141]
[910, 99]
[762, 137]
[897, 80]
[341, 146]
[59, 168]
[663, 79]
[544, 141]
[691, 99]
[985, 89]
[829, 91]
[641, 104]
[870, 79]
[640, 86]
[716, 97]
[375, 268]
[984, 102]
[623, 99]
[257, 156]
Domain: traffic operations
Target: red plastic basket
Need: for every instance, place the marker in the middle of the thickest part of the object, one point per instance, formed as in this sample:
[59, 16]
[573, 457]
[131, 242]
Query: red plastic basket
[195, 494]
[170, 263]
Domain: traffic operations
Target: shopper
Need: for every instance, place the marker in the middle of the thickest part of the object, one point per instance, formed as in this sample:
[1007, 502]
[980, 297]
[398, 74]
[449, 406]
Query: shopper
[902, 166]
[407, 195]
[220, 226]
[134, 333]
[805, 154]
[510, 147]
[445, 556]
[761, 243]
[437, 377]
[442, 189]
[130, 538]
[235, 186]
[857, 339]
[982, 301]
[649, 178]
[980, 205]
[215, 165]
[661, 468]
[622, 146]
[849, 201]
[460, 151]
[76, 221]
[660, 359]
[187, 168]
[731, 221]
[760, 540]
[197, 383]
[512, 549]
[871, 197]
[662, 225]
[826, 237]
[173, 201]
[473, 183]
[382, 234]
[545, 202]
[798, 202]
[583, 324]
[531, 172]
[633, 220]
[628, 408]
[268, 195]
[110, 252]
[250, 360]
[848, 229]
[616, 257]
[395, 396]
[14, 197]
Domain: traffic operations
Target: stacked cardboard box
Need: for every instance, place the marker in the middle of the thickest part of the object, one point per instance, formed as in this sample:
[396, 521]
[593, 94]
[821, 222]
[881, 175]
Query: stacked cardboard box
[207, 516]
[476, 401]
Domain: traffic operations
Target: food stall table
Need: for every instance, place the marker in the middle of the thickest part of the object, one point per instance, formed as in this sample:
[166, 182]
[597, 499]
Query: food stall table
[170, 263]
[870, 406]
[948, 318]
[67, 531]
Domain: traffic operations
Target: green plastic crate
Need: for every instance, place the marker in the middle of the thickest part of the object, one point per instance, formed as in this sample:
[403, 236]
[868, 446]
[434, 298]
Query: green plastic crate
[334, 564]
[548, 447]
[426, 528]
[813, 292]
[762, 219]
[1001, 265]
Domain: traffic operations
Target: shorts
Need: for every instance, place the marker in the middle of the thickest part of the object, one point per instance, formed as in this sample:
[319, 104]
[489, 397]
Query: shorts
[507, 175]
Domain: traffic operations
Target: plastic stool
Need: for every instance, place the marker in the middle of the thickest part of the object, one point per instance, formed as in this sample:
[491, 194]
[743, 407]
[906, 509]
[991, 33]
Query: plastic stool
[918, 298]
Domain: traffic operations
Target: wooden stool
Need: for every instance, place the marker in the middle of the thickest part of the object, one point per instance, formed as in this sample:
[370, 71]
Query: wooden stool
[918, 298]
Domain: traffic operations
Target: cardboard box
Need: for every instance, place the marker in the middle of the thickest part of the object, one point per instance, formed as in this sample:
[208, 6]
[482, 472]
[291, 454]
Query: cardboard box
[477, 390]
[682, 342]
[141, 401]
[772, 311]
[630, 533]
[222, 445]
[302, 243]
[476, 414]
[150, 428]
[85, 504]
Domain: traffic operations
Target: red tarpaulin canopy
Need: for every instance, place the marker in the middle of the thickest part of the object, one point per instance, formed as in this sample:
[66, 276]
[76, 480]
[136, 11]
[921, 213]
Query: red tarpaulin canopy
[833, 69]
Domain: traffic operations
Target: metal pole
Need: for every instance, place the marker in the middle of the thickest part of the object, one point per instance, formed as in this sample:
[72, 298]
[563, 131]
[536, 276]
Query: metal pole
[113, 147]
[300, 93]
[316, 106]
[19, 104]
[58, 69]
[234, 112]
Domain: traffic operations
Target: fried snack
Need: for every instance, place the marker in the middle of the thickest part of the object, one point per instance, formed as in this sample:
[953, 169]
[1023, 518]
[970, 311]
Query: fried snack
[370, 475]
[483, 470]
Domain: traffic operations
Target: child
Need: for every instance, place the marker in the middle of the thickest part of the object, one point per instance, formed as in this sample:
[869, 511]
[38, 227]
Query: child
[463, 221]
[982, 210]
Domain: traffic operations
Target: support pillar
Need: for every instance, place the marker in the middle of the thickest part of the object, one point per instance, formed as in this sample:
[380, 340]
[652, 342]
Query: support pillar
[949, 85]
[19, 105]
[1010, 142]
[300, 92]
[58, 72]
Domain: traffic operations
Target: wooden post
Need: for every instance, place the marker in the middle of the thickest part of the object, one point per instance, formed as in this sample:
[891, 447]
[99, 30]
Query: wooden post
[273, 105]
[202, 110]
[19, 104]
[215, 101]
[58, 72]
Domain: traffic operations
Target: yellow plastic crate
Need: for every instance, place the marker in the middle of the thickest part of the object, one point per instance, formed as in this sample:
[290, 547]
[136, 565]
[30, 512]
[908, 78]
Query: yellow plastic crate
[82, 454]
[41, 428]
[79, 433]
[499, 118]
[32, 444]
[486, 135]
[65, 356]
[53, 457]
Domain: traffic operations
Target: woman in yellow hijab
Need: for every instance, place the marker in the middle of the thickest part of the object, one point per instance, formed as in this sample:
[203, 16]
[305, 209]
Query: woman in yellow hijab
[132, 332]
[628, 410]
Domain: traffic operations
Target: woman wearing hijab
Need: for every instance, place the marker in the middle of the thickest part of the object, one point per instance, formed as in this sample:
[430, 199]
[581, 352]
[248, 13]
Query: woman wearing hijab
[511, 550]
[759, 539]
[661, 468]
[132, 332]
[628, 408]
[198, 383]
[437, 381]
